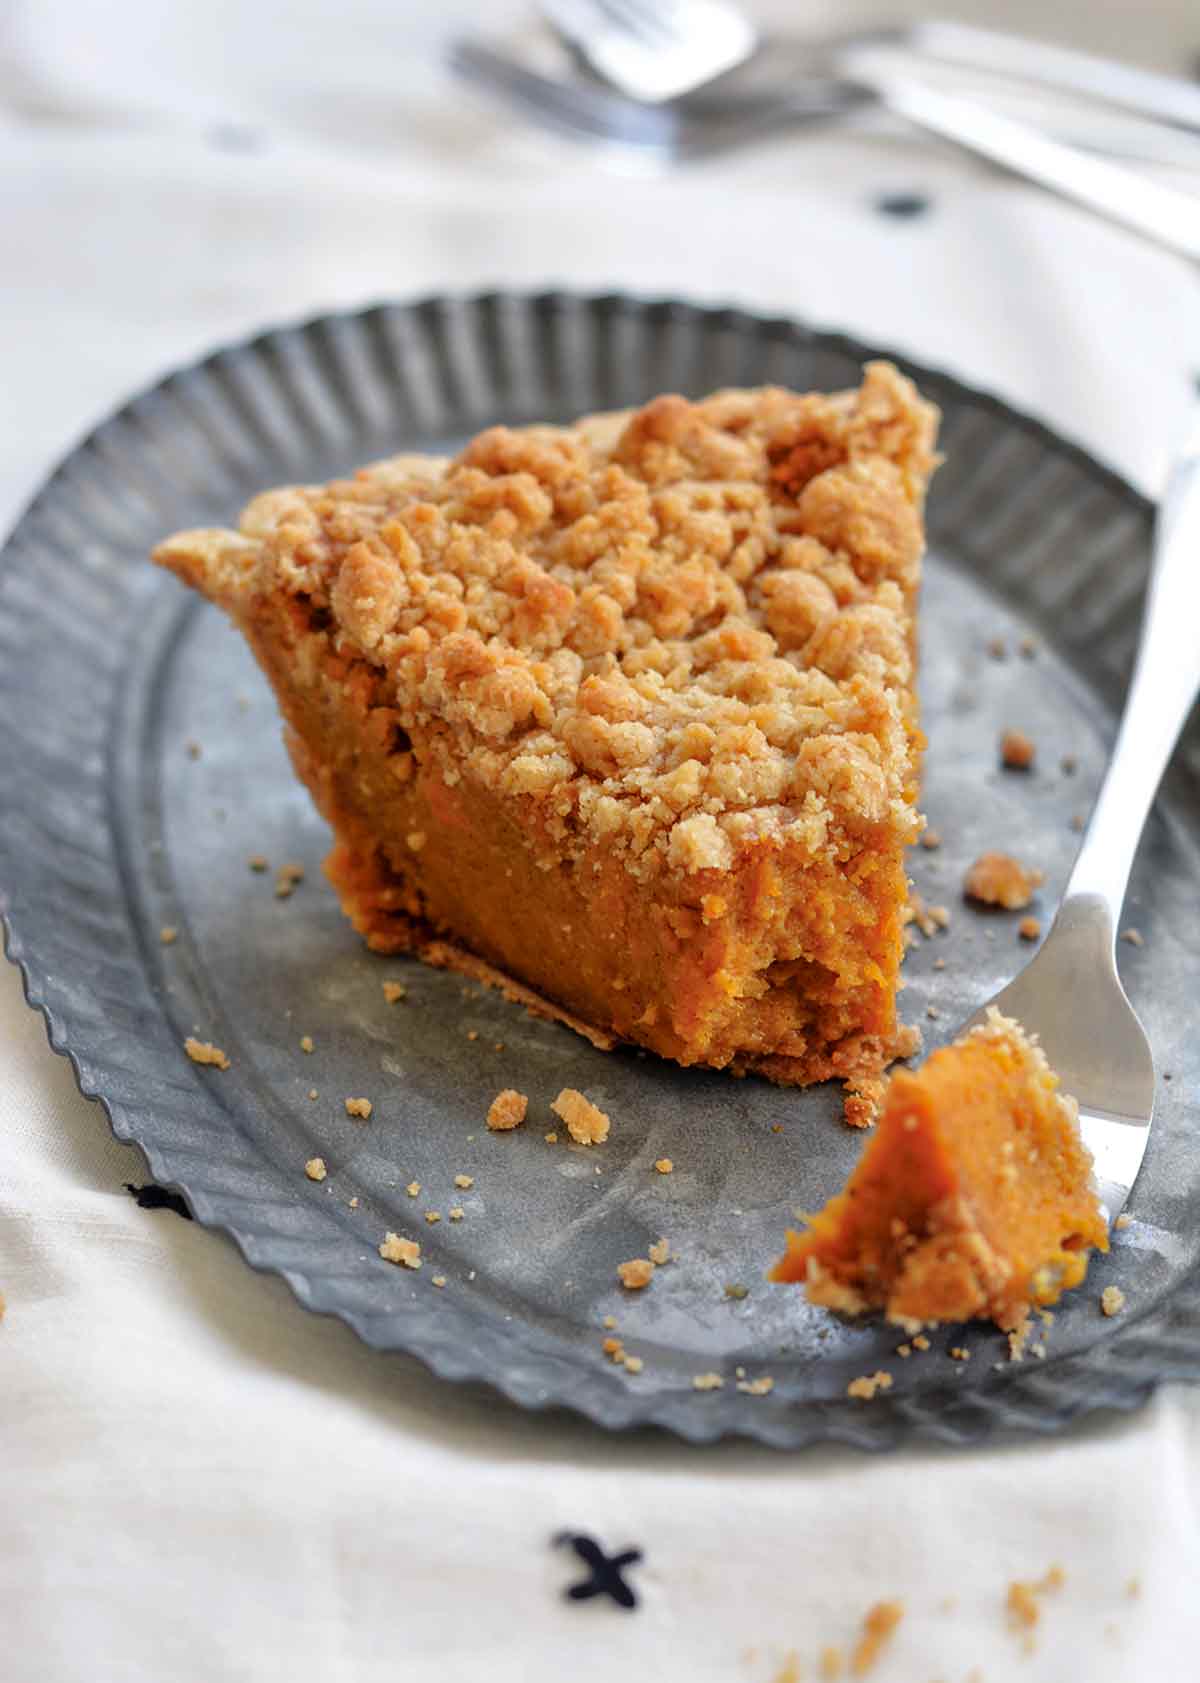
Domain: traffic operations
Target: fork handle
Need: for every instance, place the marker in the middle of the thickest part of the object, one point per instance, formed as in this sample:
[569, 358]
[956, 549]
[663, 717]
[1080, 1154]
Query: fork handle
[1163, 214]
[1162, 691]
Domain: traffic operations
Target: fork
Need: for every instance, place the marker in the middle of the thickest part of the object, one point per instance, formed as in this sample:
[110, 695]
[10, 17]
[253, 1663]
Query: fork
[1163, 214]
[1070, 994]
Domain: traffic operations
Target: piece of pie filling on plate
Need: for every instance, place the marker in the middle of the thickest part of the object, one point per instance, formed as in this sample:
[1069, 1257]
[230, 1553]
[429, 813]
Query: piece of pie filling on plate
[973, 1195]
[620, 714]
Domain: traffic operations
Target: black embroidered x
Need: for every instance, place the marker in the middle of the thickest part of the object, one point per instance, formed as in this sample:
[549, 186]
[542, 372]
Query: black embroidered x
[606, 1576]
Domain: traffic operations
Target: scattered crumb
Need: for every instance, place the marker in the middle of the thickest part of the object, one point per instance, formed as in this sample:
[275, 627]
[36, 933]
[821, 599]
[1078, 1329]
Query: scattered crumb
[613, 1349]
[664, 1165]
[865, 1387]
[1122, 1222]
[400, 1251]
[1077, 821]
[456, 1212]
[1070, 765]
[585, 1123]
[633, 1364]
[939, 964]
[635, 1274]
[757, 1387]
[1133, 1588]
[1024, 1608]
[204, 1052]
[315, 1168]
[939, 916]
[904, 1351]
[920, 1342]
[1028, 647]
[354, 1203]
[1017, 750]
[707, 1382]
[928, 919]
[358, 1107]
[286, 879]
[997, 648]
[1018, 1340]
[464, 1181]
[413, 1187]
[737, 1292]
[168, 934]
[1134, 937]
[959, 1353]
[193, 750]
[394, 991]
[997, 879]
[831, 1664]
[1112, 1300]
[257, 862]
[878, 1624]
[932, 839]
[312, 1092]
[507, 1111]
[306, 1043]
[932, 1012]
[660, 1252]
[439, 1279]
[433, 1215]
[1029, 929]
[551, 1138]
[472, 1034]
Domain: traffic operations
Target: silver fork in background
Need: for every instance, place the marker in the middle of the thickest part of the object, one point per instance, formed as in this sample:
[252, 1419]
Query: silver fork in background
[655, 50]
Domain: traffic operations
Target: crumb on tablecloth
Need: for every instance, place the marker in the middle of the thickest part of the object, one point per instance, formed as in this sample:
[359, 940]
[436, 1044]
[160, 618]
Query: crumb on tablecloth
[636, 1274]
[315, 1168]
[831, 1664]
[507, 1111]
[879, 1622]
[997, 879]
[358, 1107]
[868, 1384]
[403, 1252]
[1112, 1300]
[204, 1052]
[586, 1123]
[1023, 1603]
[1017, 751]
[394, 991]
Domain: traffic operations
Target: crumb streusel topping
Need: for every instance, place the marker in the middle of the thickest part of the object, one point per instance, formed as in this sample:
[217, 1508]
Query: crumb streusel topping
[681, 631]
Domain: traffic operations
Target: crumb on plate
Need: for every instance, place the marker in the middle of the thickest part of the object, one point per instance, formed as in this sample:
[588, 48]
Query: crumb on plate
[315, 1168]
[204, 1052]
[358, 1107]
[635, 1274]
[507, 1111]
[868, 1384]
[586, 1123]
[1017, 750]
[403, 1252]
[997, 879]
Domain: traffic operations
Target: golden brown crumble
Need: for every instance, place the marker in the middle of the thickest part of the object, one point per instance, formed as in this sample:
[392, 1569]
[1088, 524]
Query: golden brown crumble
[359, 1107]
[633, 1364]
[439, 1279]
[707, 1382]
[413, 1188]
[507, 1111]
[1134, 937]
[472, 1034]
[1133, 1588]
[464, 1181]
[403, 1252]
[1023, 1604]
[258, 862]
[865, 1387]
[456, 1213]
[959, 1353]
[432, 1216]
[1029, 929]
[394, 991]
[1017, 751]
[878, 1624]
[354, 1203]
[997, 879]
[759, 1387]
[1112, 1300]
[586, 1124]
[312, 1092]
[287, 877]
[548, 597]
[664, 1165]
[168, 934]
[551, 1138]
[1123, 1221]
[931, 839]
[660, 1252]
[636, 1274]
[204, 1052]
[315, 1168]
[306, 1043]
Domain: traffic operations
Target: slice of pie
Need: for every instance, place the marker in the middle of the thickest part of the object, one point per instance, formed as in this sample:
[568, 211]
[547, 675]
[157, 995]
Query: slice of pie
[620, 713]
[972, 1197]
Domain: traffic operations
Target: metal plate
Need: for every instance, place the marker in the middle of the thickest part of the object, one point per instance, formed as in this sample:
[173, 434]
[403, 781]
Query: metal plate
[110, 829]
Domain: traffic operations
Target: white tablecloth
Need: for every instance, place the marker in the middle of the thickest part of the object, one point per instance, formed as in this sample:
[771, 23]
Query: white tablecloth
[200, 1481]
